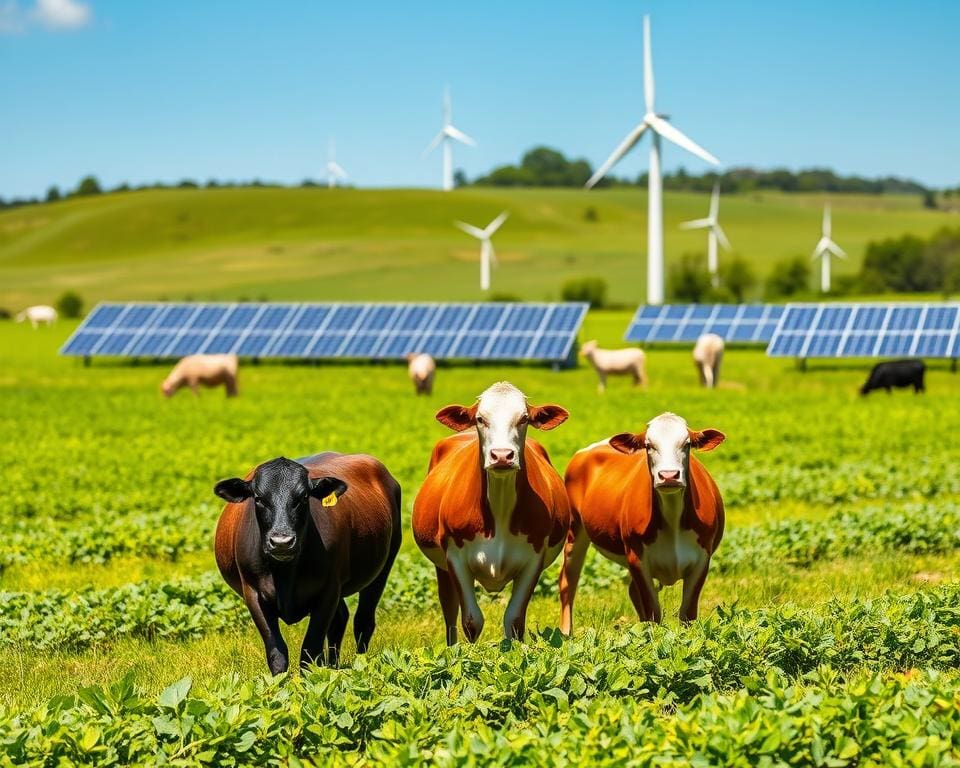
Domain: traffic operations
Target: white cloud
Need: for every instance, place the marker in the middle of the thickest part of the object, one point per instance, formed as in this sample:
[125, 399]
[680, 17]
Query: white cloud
[62, 14]
[52, 14]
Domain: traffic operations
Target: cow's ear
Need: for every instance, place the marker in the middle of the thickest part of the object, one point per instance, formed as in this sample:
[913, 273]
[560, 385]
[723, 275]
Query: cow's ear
[327, 489]
[458, 417]
[627, 442]
[706, 439]
[233, 490]
[546, 416]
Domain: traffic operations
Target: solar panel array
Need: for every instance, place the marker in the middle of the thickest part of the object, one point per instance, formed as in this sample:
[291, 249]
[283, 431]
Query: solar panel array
[868, 330]
[741, 323]
[489, 331]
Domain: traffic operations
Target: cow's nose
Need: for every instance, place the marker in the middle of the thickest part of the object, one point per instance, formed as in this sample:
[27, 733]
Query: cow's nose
[281, 541]
[668, 475]
[502, 455]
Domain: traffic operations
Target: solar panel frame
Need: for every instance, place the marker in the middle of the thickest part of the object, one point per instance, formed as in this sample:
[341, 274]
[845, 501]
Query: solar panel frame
[867, 329]
[377, 330]
[684, 323]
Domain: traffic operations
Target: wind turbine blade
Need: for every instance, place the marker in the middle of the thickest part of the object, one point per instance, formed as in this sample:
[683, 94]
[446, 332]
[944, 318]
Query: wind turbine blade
[722, 237]
[336, 169]
[434, 144]
[821, 247]
[715, 201]
[696, 224]
[836, 250]
[648, 88]
[471, 230]
[625, 146]
[459, 135]
[494, 225]
[670, 133]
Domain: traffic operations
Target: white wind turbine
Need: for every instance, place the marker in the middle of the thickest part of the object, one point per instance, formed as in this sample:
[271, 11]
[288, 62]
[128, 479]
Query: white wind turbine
[335, 171]
[715, 233]
[824, 250]
[487, 254]
[659, 127]
[447, 135]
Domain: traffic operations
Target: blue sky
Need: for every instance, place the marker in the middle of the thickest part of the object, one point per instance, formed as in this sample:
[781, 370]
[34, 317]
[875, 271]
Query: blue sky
[143, 91]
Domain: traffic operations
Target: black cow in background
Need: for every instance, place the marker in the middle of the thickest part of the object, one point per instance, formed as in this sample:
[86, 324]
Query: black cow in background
[895, 373]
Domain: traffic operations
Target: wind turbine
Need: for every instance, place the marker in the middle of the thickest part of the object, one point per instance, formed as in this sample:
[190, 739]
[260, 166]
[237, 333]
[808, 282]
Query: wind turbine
[487, 254]
[714, 233]
[659, 127]
[335, 171]
[447, 135]
[824, 250]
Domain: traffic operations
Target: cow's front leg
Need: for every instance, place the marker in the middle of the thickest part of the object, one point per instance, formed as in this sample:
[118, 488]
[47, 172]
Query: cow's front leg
[574, 555]
[643, 592]
[471, 618]
[267, 621]
[515, 617]
[692, 584]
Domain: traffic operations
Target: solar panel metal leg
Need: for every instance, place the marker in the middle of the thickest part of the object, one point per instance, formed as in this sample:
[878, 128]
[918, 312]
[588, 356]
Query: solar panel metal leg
[86, 361]
[953, 365]
[801, 364]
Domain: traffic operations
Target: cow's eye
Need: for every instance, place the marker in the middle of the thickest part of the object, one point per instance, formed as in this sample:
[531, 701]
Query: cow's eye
[523, 419]
[481, 421]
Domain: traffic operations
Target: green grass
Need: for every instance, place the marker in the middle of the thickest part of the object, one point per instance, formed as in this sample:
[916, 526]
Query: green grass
[87, 450]
[381, 244]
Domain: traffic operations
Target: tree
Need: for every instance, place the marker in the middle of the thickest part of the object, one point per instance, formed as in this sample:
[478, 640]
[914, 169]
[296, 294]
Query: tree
[88, 186]
[460, 178]
[895, 263]
[738, 277]
[70, 304]
[53, 194]
[789, 278]
[929, 200]
[593, 290]
[689, 281]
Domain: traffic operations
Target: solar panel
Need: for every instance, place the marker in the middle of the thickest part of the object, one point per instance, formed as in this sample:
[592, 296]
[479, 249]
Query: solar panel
[907, 329]
[741, 323]
[488, 331]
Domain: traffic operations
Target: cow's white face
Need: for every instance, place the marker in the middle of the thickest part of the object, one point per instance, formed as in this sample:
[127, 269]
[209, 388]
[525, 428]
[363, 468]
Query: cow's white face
[501, 416]
[667, 442]
[502, 426]
[668, 451]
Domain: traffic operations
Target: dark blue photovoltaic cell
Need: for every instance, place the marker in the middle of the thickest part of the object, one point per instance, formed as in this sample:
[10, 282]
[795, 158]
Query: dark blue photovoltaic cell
[799, 319]
[82, 343]
[834, 319]
[825, 345]
[222, 343]
[741, 332]
[310, 319]
[721, 329]
[685, 323]
[361, 345]
[253, 344]
[103, 316]
[151, 344]
[869, 318]
[648, 312]
[700, 312]
[758, 311]
[438, 344]
[940, 319]
[240, 317]
[292, 345]
[344, 318]
[688, 332]
[786, 345]
[934, 345]
[904, 319]
[726, 312]
[675, 311]
[898, 344]
[860, 345]
[551, 346]
[502, 331]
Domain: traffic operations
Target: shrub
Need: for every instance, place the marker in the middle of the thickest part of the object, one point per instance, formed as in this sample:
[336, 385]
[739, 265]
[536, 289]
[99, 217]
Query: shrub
[590, 289]
[88, 186]
[590, 214]
[70, 304]
[738, 277]
[789, 277]
[689, 281]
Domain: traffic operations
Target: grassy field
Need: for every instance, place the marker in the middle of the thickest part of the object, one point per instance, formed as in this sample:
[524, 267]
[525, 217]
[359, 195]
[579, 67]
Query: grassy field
[829, 630]
[368, 244]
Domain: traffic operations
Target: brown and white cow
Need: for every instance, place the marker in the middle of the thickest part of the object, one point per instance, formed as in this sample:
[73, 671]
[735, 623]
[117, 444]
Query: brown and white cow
[648, 505]
[492, 509]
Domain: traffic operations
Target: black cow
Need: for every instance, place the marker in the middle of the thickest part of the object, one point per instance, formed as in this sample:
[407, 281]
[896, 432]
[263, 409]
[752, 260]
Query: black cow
[292, 547]
[895, 373]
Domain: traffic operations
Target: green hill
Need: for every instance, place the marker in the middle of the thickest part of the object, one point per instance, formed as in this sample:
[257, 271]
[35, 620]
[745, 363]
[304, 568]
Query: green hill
[397, 244]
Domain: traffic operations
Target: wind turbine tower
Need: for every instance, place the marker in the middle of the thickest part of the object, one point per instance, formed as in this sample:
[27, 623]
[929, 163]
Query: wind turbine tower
[335, 171]
[487, 254]
[824, 250]
[448, 134]
[659, 128]
[715, 234]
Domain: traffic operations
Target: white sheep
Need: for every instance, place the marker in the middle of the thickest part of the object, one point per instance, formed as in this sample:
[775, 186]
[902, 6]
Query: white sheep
[616, 361]
[209, 370]
[38, 314]
[707, 355]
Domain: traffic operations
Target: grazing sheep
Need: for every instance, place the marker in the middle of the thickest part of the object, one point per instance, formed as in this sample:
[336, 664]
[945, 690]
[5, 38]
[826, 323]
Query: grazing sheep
[616, 361]
[209, 370]
[422, 369]
[707, 355]
[38, 314]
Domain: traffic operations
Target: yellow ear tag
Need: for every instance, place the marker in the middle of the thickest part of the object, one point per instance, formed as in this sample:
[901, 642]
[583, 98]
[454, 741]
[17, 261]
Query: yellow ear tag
[330, 501]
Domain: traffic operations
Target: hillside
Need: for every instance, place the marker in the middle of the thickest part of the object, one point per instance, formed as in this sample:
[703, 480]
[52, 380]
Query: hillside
[397, 244]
